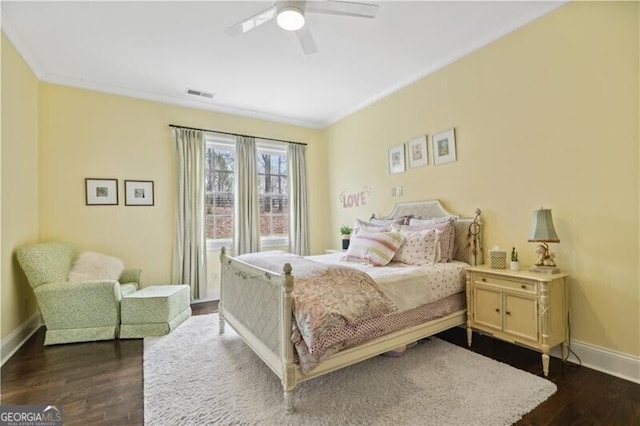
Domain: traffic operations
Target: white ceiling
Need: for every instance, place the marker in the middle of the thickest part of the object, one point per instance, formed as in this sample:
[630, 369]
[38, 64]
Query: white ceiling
[157, 50]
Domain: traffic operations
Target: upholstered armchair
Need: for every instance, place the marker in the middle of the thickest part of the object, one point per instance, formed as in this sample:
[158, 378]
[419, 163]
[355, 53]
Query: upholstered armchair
[75, 310]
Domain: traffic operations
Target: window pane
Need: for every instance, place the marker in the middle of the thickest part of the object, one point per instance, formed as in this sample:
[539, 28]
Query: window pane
[274, 216]
[219, 191]
[274, 201]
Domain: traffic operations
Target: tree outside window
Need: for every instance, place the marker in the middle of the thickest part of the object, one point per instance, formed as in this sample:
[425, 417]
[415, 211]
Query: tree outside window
[219, 191]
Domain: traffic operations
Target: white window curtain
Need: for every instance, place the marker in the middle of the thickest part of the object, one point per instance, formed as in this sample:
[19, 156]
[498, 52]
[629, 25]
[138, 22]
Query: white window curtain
[189, 249]
[246, 227]
[298, 201]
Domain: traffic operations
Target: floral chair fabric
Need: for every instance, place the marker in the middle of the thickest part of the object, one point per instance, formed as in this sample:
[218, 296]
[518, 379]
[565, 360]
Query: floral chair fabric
[78, 311]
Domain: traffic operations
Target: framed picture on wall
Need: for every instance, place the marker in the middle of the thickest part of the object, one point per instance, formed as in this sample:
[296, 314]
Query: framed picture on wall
[444, 147]
[396, 159]
[138, 193]
[417, 152]
[101, 192]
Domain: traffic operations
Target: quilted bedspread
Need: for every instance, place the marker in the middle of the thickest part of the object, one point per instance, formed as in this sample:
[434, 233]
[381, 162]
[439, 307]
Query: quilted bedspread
[325, 296]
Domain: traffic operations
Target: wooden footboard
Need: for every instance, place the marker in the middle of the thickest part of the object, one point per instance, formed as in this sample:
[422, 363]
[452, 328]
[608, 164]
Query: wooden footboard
[257, 304]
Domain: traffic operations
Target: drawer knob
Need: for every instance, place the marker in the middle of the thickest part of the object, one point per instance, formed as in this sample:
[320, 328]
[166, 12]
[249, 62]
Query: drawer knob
[508, 313]
[484, 280]
[497, 310]
[524, 287]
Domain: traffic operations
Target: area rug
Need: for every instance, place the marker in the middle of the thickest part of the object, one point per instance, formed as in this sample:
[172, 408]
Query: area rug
[194, 376]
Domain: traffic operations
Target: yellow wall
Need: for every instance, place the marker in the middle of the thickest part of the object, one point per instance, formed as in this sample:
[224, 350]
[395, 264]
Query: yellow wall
[19, 183]
[90, 134]
[546, 116]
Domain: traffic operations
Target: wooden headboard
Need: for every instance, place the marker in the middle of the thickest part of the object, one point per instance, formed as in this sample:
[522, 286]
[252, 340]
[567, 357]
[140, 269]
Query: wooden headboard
[468, 230]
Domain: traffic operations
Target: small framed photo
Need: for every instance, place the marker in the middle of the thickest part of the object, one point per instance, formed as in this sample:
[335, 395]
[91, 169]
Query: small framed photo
[396, 159]
[138, 193]
[444, 147]
[417, 152]
[101, 192]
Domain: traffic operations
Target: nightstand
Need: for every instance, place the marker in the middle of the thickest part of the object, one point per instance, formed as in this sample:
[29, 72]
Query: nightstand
[527, 308]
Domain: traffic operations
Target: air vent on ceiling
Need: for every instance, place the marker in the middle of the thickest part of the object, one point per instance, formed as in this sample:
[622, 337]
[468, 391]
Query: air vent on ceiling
[200, 93]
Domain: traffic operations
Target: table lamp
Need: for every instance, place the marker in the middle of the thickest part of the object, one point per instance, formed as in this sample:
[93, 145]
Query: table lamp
[543, 232]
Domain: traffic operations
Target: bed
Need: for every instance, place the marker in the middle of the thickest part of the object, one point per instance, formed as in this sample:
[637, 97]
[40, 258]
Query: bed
[257, 302]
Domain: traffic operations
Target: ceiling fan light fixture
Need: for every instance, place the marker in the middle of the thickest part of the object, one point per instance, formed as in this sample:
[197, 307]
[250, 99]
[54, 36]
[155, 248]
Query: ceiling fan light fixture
[290, 18]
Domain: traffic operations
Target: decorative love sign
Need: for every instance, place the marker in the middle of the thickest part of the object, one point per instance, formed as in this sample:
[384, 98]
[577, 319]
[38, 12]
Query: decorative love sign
[355, 199]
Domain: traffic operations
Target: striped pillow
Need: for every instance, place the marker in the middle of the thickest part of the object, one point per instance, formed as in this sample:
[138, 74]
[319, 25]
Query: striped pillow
[375, 248]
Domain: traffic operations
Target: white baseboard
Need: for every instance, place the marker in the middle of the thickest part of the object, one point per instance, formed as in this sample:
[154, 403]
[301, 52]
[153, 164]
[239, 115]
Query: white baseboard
[19, 336]
[208, 299]
[605, 360]
[601, 359]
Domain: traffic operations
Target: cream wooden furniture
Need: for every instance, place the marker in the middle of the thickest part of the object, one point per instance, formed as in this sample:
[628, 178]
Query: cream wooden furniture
[257, 303]
[521, 307]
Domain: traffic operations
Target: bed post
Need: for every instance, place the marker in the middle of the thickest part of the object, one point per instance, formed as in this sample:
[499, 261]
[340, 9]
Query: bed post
[474, 242]
[286, 346]
[223, 259]
[469, 309]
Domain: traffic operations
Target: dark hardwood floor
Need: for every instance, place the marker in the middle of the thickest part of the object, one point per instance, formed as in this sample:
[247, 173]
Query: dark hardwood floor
[100, 383]
[584, 396]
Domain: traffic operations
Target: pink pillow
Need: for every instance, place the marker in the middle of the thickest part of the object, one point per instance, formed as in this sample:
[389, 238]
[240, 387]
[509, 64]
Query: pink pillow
[375, 248]
[446, 234]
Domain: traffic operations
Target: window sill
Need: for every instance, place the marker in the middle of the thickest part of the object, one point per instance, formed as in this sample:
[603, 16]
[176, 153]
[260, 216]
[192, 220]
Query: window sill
[265, 242]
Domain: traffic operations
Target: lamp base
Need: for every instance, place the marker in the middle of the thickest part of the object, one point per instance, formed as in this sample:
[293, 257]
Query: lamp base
[545, 269]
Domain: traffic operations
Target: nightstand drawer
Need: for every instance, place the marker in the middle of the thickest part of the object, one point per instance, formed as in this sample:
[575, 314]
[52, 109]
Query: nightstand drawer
[522, 286]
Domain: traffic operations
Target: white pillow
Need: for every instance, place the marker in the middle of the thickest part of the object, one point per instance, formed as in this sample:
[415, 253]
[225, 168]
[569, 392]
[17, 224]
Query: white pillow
[368, 226]
[91, 266]
[446, 234]
[418, 248]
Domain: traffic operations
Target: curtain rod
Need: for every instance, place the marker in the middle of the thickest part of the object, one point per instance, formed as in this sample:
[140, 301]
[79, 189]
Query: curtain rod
[236, 134]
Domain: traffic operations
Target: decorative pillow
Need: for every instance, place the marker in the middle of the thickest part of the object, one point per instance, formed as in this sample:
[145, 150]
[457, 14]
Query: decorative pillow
[375, 248]
[419, 247]
[377, 225]
[429, 221]
[446, 235]
[91, 266]
[370, 226]
[388, 222]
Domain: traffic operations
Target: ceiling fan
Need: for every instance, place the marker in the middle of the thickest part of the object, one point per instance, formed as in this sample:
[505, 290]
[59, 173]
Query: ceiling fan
[290, 16]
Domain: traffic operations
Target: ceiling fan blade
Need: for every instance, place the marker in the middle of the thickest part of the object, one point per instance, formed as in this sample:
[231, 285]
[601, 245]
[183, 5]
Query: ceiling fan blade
[253, 22]
[361, 10]
[306, 40]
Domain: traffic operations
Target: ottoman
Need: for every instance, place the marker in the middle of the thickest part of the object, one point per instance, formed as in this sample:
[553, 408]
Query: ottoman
[154, 311]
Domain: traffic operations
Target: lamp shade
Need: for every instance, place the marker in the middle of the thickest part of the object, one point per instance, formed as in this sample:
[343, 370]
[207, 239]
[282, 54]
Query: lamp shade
[542, 229]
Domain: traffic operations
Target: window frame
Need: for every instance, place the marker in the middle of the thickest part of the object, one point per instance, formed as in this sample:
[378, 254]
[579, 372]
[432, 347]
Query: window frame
[261, 145]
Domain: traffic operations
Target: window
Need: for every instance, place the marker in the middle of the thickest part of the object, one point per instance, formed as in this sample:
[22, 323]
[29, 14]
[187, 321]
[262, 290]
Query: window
[273, 195]
[218, 199]
[219, 192]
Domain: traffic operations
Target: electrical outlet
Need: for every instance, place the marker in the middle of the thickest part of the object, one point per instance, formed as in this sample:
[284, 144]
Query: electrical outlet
[393, 191]
[399, 191]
